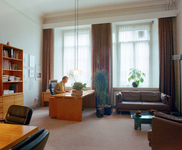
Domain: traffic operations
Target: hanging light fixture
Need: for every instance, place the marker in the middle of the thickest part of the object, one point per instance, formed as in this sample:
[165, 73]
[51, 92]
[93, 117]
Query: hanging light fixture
[76, 71]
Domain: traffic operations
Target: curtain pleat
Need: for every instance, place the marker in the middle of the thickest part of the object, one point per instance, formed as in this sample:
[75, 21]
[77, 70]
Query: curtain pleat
[166, 50]
[47, 57]
[102, 51]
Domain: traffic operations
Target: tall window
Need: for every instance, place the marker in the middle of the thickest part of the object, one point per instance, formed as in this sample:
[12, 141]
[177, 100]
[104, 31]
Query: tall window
[82, 57]
[133, 50]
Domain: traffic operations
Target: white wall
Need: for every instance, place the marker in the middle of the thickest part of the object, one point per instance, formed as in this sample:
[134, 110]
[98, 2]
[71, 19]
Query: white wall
[25, 34]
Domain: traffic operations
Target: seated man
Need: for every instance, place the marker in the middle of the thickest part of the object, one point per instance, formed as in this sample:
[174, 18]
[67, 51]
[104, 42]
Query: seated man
[60, 87]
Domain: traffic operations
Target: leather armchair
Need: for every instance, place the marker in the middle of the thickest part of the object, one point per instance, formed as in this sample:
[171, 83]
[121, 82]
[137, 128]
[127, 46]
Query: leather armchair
[166, 133]
[18, 115]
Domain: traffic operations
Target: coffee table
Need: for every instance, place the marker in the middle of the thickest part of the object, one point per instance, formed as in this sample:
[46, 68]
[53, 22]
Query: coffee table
[145, 118]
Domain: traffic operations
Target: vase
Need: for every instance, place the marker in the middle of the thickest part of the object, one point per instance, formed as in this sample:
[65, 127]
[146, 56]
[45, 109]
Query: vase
[134, 84]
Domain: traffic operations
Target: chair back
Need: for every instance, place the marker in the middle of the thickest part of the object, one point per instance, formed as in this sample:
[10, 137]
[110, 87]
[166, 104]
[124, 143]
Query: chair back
[28, 140]
[38, 143]
[51, 87]
[17, 114]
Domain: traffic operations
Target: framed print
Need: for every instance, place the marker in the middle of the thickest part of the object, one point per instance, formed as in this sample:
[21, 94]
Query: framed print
[31, 73]
[38, 72]
[25, 74]
[32, 61]
[25, 60]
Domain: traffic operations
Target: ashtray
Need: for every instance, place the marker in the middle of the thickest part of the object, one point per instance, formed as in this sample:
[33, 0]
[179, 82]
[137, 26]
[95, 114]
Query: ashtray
[138, 115]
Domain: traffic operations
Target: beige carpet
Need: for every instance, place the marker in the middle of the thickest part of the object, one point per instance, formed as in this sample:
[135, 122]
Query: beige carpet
[115, 132]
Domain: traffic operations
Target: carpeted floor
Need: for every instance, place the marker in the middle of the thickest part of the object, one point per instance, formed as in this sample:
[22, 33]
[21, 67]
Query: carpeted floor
[110, 132]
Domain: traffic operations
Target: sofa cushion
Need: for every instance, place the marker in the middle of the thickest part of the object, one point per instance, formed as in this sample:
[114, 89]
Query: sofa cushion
[150, 96]
[128, 105]
[164, 98]
[131, 95]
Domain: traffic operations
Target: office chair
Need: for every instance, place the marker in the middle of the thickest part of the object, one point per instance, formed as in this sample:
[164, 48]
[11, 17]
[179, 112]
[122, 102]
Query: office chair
[51, 87]
[17, 114]
[37, 141]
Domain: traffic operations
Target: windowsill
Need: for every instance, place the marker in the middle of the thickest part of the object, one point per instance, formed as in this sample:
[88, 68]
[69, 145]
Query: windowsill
[135, 88]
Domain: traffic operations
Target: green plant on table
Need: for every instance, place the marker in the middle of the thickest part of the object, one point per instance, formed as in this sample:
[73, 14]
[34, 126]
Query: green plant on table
[136, 75]
[79, 86]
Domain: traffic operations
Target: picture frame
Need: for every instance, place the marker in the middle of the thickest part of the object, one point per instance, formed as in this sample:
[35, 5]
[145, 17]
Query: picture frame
[25, 60]
[38, 72]
[25, 74]
[31, 73]
[32, 61]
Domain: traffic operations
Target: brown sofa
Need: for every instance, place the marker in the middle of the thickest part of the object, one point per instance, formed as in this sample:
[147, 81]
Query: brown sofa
[143, 100]
[166, 132]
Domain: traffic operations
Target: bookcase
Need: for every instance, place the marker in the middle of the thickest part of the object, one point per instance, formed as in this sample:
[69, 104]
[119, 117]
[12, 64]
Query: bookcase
[11, 77]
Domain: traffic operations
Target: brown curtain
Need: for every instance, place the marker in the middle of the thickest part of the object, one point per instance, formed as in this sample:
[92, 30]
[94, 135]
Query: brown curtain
[102, 50]
[166, 50]
[47, 57]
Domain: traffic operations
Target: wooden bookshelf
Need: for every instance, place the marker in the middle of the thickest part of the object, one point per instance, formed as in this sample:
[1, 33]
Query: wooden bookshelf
[12, 66]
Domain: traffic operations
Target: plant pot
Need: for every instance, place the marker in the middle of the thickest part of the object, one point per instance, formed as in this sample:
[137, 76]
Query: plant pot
[106, 110]
[99, 112]
[134, 84]
[78, 92]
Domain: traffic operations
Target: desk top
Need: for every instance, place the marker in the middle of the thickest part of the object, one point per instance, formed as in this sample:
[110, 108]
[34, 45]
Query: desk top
[68, 94]
[11, 134]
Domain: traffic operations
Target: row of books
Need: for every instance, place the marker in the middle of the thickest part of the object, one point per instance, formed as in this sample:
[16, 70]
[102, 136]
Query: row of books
[7, 65]
[11, 53]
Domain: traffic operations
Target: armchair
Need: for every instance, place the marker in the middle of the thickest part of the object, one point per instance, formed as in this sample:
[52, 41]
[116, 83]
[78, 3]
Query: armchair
[166, 132]
[18, 115]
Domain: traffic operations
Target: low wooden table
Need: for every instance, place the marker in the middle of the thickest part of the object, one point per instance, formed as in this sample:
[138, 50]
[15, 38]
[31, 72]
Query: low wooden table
[11, 135]
[67, 107]
[145, 118]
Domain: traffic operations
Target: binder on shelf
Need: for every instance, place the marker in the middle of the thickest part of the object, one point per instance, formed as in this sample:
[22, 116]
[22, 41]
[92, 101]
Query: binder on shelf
[11, 53]
[14, 87]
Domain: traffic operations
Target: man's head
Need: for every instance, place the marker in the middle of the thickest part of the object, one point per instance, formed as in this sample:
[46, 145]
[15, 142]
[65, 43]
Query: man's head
[65, 79]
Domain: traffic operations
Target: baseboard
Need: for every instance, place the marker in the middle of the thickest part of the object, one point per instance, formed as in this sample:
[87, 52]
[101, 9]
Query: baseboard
[34, 105]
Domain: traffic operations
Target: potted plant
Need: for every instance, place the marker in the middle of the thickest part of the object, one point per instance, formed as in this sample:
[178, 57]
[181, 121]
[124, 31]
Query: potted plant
[100, 81]
[137, 76]
[78, 86]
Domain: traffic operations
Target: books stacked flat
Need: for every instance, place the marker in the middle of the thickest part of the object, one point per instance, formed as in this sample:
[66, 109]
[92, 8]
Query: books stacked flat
[5, 78]
[17, 79]
[11, 78]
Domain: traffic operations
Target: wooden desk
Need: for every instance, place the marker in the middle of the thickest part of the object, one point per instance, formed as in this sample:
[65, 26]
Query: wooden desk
[68, 107]
[11, 135]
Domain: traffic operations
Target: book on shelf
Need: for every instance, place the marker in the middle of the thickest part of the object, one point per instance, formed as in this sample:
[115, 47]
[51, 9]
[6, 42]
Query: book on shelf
[6, 64]
[14, 66]
[6, 53]
[15, 54]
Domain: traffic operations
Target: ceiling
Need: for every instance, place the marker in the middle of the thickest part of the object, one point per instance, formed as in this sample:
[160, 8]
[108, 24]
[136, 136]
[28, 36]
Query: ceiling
[48, 7]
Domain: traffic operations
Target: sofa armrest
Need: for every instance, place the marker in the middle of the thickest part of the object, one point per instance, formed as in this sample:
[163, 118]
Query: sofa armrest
[119, 98]
[165, 134]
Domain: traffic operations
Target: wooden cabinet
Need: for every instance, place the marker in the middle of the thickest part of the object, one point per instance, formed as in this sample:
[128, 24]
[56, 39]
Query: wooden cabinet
[45, 98]
[11, 78]
[10, 99]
